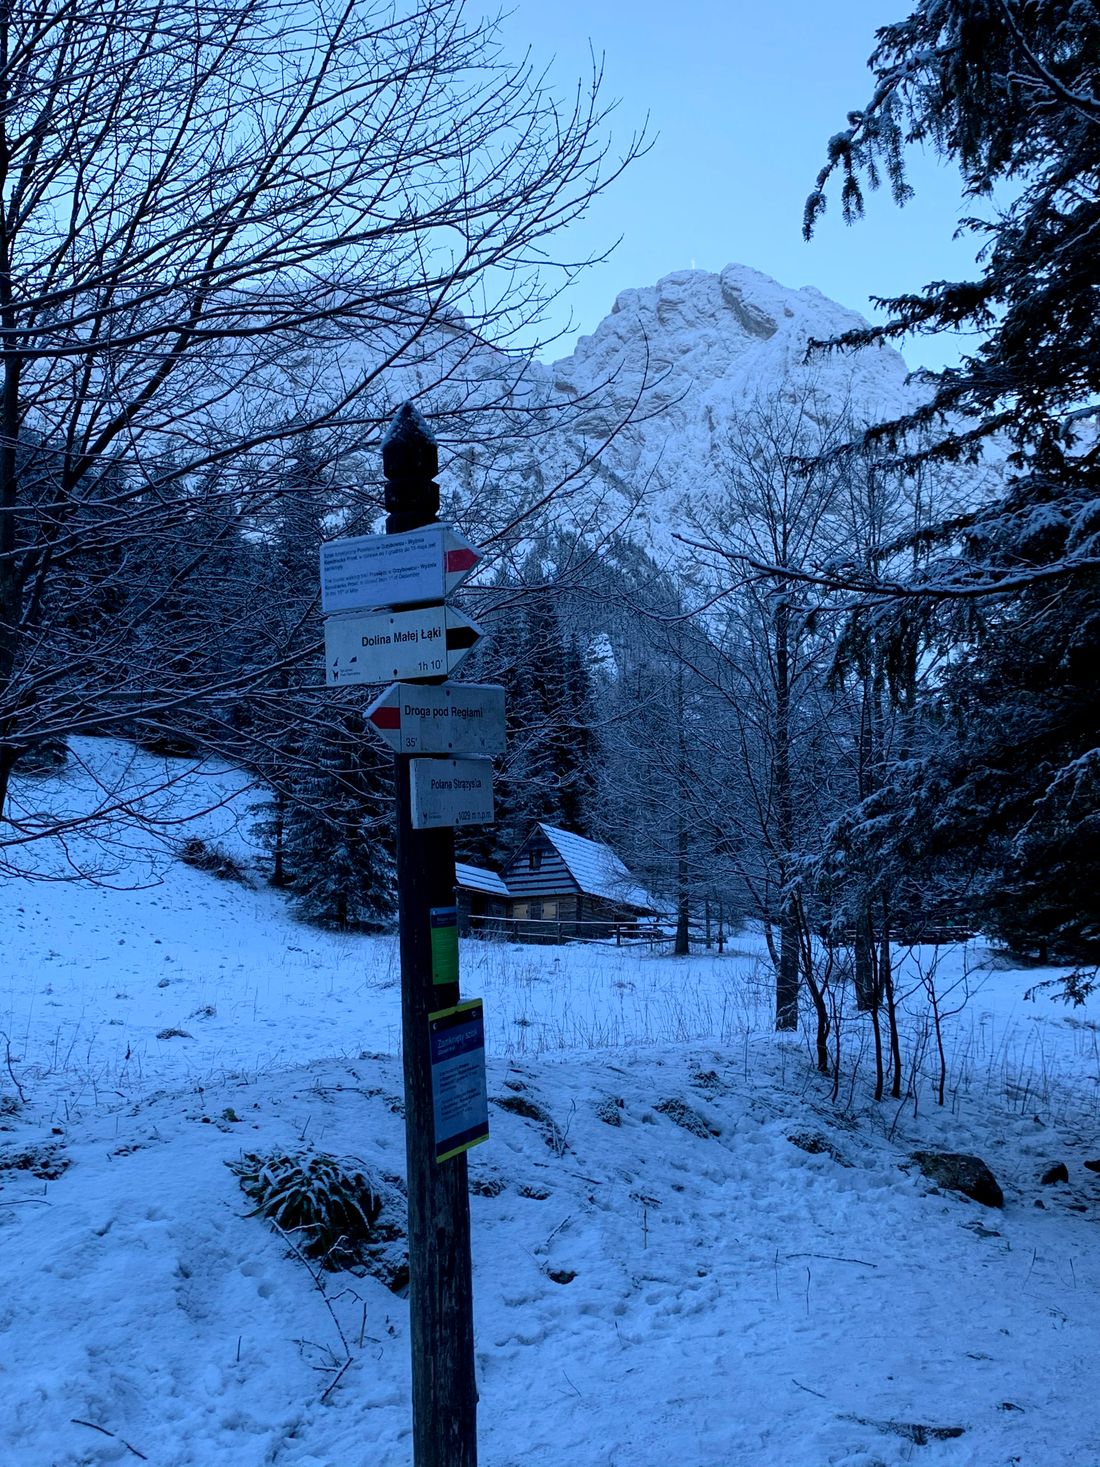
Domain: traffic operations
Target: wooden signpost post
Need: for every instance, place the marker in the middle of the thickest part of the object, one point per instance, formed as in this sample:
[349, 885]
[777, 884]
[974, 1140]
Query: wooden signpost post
[390, 622]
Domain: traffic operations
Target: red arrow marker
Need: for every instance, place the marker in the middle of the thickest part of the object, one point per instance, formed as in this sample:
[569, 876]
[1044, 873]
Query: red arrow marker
[458, 561]
[440, 718]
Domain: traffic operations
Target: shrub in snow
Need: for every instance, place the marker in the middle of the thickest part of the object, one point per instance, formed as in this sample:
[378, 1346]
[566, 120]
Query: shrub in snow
[46, 756]
[328, 1205]
[196, 852]
[519, 1105]
[686, 1118]
[816, 1144]
[46, 1162]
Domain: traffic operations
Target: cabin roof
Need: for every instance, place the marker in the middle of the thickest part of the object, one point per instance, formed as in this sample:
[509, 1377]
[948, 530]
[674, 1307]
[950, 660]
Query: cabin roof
[477, 878]
[596, 868]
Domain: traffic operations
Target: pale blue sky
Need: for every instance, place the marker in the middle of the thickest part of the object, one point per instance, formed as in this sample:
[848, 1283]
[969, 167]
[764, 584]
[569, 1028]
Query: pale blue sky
[742, 99]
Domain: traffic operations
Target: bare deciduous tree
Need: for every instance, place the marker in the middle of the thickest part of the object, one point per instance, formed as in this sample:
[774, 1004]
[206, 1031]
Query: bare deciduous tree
[222, 226]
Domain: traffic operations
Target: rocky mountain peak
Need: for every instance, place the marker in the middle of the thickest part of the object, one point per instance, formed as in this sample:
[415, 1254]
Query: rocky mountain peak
[721, 341]
[680, 362]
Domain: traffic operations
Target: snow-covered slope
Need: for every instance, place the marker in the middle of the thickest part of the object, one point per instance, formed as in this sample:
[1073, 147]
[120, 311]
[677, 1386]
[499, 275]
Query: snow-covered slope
[661, 1272]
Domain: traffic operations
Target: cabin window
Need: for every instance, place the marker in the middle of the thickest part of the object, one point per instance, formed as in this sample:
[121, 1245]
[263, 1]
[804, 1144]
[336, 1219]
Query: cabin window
[520, 911]
[534, 860]
[550, 911]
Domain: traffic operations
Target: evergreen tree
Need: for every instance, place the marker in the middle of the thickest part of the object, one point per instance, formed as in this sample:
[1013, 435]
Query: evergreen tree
[667, 789]
[279, 713]
[549, 772]
[1011, 92]
[194, 616]
[577, 741]
[337, 842]
[550, 713]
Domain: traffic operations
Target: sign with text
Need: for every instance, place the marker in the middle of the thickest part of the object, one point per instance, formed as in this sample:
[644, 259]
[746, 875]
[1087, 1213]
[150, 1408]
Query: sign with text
[451, 792]
[459, 1095]
[452, 718]
[368, 571]
[377, 646]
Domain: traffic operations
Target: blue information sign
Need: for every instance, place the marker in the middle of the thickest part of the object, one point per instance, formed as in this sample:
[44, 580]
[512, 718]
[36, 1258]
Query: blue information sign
[459, 1098]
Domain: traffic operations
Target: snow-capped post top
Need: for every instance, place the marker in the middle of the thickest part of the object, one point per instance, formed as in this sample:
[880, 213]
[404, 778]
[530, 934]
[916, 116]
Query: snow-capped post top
[410, 462]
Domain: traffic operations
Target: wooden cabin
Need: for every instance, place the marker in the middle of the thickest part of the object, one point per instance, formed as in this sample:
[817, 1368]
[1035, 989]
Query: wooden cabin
[482, 899]
[563, 885]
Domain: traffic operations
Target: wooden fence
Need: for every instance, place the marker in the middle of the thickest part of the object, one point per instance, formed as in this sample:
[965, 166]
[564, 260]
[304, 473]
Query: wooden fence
[629, 932]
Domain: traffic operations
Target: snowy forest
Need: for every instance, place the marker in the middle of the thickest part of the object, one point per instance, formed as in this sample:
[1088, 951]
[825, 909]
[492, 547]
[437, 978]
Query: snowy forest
[845, 686]
[809, 641]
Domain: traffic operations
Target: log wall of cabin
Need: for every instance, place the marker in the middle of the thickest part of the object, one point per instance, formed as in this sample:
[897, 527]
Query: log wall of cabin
[548, 877]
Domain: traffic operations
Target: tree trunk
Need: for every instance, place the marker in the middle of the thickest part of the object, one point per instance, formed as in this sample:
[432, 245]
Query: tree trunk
[817, 982]
[10, 590]
[786, 983]
[278, 844]
[867, 996]
[886, 982]
[682, 946]
[786, 976]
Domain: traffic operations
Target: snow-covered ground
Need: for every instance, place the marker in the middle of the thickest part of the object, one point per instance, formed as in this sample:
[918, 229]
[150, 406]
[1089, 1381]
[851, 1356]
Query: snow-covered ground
[643, 1293]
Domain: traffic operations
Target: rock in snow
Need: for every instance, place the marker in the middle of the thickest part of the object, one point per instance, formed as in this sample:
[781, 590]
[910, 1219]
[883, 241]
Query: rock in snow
[961, 1173]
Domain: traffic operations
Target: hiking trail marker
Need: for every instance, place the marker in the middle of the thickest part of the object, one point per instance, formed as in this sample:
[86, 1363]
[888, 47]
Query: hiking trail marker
[374, 646]
[365, 572]
[386, 622]
[448, 718]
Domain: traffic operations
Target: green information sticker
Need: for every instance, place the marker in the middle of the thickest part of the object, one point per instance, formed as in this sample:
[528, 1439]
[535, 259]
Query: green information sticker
[444, 926]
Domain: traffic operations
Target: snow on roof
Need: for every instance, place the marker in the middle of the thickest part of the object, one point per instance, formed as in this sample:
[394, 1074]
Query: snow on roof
[596, 869]
[477, 878]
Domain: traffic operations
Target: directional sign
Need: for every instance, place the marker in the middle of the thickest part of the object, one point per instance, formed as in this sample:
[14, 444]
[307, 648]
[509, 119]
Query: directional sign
[380, 645]
[451, 792]
[452, 718]
[371, 571]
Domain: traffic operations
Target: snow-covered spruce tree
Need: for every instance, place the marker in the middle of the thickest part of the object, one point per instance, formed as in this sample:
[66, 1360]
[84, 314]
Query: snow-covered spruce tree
[271, 209]
[338, 836]
[548, 772]
[1010, 90]
[667, 789]
[188, 603]
[291, 700]
[553, 778]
